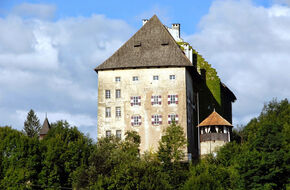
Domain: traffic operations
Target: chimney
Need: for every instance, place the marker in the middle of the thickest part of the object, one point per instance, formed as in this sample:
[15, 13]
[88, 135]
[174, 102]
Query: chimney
[176, 27]
[144, 21]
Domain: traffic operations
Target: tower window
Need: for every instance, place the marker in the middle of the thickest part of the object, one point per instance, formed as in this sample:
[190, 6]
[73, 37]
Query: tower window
[118, 134]
[118, 93]
[172, 99]
[135, 100]
[172, 77]
[172, 117]
[155, 77]
[135, 78]
[108, 94]
[108, 112]
[136, 120]
[108, 133]
[118, 111]
[118, 79]
[156, 119]
[156, 100]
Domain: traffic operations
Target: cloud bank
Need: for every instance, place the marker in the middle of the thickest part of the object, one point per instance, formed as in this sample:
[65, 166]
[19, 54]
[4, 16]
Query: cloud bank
[48, 66]
[249, 46]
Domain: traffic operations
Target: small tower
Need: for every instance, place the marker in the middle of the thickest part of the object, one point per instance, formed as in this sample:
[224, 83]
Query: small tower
[44, 129]
[214, 132]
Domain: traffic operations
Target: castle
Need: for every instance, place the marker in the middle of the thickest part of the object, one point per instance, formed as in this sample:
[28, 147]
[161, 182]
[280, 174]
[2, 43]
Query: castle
[156, 78]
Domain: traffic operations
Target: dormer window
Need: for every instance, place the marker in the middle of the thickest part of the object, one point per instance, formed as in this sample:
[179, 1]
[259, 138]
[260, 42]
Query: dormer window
[137, 44]
[164, 43]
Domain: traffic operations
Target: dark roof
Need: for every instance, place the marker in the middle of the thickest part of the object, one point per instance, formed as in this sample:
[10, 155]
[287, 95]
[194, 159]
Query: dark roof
[214, 119]
[45, 127]
[229, 92]
[151, 46]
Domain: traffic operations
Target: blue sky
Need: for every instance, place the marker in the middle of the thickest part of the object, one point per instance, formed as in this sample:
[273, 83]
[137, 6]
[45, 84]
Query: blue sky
[48, 50]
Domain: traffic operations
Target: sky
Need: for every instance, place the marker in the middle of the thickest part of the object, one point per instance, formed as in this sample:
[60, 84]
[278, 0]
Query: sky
[48, 50]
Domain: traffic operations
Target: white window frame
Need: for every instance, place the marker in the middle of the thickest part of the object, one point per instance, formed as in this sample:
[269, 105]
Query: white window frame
[107, 94]
[172, 99]
[156, 119]
[117, 79]
[119, 134]
[118, 93]
[108, 133]
[172, 117]
[172, 77]
[156, 100]
[108, 112]
[135, 78]
[135, 100]
[118, 111]
[155, 77]
[136, 120]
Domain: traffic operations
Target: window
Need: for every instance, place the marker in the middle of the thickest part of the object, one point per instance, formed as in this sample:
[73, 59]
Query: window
[108, 94]
[118, 111]
[155, 77]
[172, 99]
[172, 117]
[135, 78]
[118, 93]
[156, 100]
[172, 77]
[135, 100]
[136, 120]
[108, 133]
[156, 119]
[108, 112]
[117, 79]
[118, 134]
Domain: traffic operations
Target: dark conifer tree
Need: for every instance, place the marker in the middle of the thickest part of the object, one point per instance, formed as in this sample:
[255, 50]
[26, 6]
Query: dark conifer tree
[31, 125]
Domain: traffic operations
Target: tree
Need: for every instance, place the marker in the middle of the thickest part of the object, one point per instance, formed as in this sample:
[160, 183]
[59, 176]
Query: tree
[171, 154]
[172, 144]
[64, 150]
[31, 125]
[20, 161]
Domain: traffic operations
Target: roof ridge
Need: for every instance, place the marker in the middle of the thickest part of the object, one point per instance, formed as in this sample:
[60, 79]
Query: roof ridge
[149, 52]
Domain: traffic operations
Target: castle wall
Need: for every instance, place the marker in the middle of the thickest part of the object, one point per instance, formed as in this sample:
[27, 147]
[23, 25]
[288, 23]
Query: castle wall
[145, 87]
[208, 147]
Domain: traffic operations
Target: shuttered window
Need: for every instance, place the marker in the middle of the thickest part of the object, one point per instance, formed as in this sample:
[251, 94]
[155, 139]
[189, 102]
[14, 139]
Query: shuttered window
[156, 119]
[173, 99]
[172, 117]
[135, 100]
[156, 100]
[136, 120]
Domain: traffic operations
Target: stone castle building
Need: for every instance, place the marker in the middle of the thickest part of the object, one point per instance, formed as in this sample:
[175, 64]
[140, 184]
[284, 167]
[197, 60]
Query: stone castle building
[156, 78]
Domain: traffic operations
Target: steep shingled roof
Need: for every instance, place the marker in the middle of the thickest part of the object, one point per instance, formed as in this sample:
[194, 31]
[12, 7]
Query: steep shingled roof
[45, 127]
[151, 46]
[214, 119]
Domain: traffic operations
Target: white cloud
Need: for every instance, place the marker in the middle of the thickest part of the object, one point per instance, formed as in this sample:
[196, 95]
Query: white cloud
[249, 47]
[42, 11]
[48, 66]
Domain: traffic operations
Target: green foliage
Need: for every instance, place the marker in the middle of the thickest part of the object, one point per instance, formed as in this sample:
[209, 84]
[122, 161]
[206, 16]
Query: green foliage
[19, 159]
[257, 158]
[172, 144]
[31, 125]
[171, 153]
[63, 151]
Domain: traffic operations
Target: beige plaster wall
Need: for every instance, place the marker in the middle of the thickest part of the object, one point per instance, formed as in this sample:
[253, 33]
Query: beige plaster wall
[144, 87]
[210, 146]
